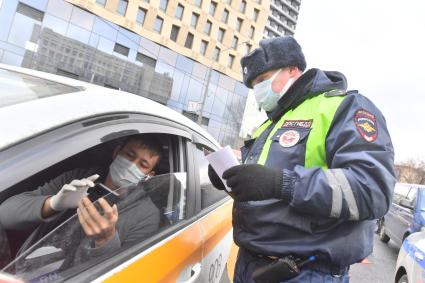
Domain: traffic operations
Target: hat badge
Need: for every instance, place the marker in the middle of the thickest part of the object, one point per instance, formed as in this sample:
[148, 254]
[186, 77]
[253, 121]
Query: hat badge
[245, 70]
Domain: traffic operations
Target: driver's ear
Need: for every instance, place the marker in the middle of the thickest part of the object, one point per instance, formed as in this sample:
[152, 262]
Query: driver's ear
[115, 152]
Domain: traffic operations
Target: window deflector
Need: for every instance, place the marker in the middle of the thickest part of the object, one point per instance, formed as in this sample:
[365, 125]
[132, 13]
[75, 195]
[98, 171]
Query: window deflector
[56, 251]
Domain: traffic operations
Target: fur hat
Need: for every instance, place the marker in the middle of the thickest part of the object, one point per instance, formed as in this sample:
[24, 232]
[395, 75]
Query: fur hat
[273, 53]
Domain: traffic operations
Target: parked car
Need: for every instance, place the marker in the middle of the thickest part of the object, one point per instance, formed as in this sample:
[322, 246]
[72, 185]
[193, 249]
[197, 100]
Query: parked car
[411, 260]
[51, 124]
[406, 214]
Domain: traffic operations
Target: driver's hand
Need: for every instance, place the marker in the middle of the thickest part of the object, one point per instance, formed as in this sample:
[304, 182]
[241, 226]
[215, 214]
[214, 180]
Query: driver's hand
[71, 194]
[98, 226]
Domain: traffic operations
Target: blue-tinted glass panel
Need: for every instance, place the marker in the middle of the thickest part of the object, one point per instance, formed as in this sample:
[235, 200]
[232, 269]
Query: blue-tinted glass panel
[7, 12]
[164, 68]
[78, 33]
[38, 4]
[219, 102]
[241, 89]
[82, 18]
[168, 56]
[210, 98]
[194, 91]
[185, 64]
[214, 77]
[57, 25]
[21, 30]
[128, 38]
[105, 45]
[178, 78]
[94, 40]
[12, 59]
[105, 28]
[199, 70]
[149, 47]
[60, 9]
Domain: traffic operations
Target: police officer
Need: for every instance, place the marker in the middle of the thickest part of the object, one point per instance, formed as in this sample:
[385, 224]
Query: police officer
[315, 175]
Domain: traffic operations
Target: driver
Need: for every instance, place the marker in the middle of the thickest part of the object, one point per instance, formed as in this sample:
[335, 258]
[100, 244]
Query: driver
[104, 229]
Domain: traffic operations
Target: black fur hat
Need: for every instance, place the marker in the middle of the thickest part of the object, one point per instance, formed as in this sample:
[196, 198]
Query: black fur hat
[273, 53]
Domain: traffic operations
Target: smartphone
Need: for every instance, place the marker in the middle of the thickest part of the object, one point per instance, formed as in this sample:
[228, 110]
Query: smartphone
[101, 191]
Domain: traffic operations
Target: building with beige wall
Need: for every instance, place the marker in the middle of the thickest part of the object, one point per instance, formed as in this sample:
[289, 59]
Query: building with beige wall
[215, 33]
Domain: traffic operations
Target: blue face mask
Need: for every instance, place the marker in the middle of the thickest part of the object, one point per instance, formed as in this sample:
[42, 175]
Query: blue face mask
[264, 94]
[124, 172]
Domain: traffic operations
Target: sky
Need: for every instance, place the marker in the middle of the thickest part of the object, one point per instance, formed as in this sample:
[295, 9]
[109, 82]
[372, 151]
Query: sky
[380, 46]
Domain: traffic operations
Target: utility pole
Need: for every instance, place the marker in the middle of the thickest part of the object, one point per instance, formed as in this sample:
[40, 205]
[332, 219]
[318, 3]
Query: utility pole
[204, 96]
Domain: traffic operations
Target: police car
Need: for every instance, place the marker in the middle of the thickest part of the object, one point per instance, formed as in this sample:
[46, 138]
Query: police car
[411, 260]
[51, 124]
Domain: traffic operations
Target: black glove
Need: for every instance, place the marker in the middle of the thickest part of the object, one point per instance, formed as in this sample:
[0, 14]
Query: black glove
[254, 182]
[215, 179]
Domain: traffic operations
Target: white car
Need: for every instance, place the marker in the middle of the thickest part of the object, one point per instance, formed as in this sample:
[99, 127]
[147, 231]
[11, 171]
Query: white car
[411, 260]
[51, 124]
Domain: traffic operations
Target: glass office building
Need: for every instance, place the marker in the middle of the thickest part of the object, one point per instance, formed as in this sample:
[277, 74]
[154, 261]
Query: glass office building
[58, 37]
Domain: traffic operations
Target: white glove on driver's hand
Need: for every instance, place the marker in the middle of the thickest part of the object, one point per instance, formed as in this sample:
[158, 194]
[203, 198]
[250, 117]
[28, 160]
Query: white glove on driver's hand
[71, 194]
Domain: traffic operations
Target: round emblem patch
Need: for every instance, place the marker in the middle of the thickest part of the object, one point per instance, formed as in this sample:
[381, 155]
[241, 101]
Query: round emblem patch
[245, 70]
[289, 138]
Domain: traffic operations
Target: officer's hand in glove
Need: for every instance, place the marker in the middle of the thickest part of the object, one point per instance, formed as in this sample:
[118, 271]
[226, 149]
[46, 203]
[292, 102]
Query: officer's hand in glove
[71, 194]
[215, 179]
[254, 182]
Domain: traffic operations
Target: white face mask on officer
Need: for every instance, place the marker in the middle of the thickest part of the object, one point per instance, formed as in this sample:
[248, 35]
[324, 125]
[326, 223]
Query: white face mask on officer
[264, 94]
[124, 172]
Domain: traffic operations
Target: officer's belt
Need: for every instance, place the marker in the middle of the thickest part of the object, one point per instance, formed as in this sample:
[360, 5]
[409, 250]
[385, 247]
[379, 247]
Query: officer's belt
[317, 265]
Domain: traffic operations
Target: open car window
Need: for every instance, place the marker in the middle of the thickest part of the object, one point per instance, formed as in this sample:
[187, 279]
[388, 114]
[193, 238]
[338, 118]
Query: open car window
[144, 210]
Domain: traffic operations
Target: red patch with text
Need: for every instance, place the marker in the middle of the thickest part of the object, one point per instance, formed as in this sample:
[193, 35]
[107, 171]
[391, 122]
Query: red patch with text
[366, 125]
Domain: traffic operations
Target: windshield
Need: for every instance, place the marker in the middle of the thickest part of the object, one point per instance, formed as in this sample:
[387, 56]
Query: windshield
[17, 87]
[65, 250]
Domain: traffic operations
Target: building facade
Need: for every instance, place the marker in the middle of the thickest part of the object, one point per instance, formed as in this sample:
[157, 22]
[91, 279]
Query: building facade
[282, 18]
[168, 51]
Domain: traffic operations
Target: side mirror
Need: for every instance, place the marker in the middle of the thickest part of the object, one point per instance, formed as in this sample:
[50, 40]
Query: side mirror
[406, 203]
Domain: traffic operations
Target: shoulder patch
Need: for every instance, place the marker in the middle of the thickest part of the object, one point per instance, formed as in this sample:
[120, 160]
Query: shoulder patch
[366, 125]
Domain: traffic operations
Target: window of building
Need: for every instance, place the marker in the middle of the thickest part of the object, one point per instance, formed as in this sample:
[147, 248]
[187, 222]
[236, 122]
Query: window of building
[163, 5]
[235, 42]
[220, 34]
[207, 28]
[198, 3]
[146, 60]
[225, 16]
[189, 40]
[216, 54]
[229, 2]
[204, 46]
[242, 7]
[230, 61]
[251, 32]
[258, 1]
[30, 12]
[141, 15]
[158, 24]
[122, 7]
[255, 14]
[121, 49]
[194, 20]
[174, 32]
[179, 11]
[213, 8]
[101, 2]
[194, 117]
[248, 48]
[238, 26]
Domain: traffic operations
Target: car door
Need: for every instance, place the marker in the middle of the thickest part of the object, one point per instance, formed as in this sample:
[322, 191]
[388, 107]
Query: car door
[392, 218]
[148, 260]
[215, 213]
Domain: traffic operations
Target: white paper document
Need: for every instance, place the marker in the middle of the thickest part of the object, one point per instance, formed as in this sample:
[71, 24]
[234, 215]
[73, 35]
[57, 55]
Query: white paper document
[222, 160]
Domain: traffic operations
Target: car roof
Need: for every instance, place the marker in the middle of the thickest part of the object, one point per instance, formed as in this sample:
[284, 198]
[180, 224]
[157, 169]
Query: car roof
[30, 118]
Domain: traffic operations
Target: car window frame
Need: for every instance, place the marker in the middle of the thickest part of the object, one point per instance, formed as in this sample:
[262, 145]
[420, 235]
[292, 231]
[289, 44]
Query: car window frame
[99, 128]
